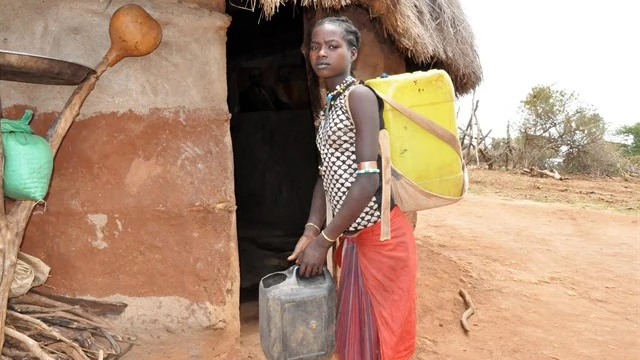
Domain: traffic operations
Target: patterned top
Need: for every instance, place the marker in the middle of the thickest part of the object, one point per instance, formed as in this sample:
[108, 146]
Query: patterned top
[336, 141]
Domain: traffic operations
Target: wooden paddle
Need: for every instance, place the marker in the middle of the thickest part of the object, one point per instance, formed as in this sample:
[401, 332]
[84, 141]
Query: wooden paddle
[133, 32]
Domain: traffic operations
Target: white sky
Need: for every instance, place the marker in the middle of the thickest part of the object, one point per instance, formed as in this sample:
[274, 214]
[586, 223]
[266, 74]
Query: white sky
[590, 47]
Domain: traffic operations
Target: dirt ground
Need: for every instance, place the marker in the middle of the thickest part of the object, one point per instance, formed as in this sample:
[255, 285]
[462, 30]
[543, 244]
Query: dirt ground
[553, 269]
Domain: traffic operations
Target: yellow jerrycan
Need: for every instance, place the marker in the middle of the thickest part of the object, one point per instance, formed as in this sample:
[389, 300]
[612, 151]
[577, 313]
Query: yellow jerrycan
[420, 139]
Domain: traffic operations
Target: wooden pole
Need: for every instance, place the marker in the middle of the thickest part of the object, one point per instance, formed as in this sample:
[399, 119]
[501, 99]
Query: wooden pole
[2, 213]
[470, 126]
[478, 131]
[508, 150]
[463, 141]
[13, 224]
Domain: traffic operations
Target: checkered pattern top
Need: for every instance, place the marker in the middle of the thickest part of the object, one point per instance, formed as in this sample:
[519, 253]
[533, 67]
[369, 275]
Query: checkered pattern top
[336, 140]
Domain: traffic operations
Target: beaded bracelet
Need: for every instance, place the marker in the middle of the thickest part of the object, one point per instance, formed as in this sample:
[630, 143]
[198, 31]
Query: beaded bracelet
[367, 171]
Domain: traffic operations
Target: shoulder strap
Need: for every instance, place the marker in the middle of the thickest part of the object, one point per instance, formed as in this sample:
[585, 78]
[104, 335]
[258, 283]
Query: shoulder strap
[426, 123]
[436, 129]
[385, 213]
[380, 105]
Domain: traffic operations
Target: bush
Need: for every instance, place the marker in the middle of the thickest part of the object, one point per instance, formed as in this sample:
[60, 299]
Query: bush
[598, 159]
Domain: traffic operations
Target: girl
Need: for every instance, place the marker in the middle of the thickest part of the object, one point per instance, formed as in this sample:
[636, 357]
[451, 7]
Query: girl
[376, 306]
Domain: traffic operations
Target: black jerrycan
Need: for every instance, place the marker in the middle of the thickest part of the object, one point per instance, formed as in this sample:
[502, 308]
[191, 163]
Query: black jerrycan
[297, 315]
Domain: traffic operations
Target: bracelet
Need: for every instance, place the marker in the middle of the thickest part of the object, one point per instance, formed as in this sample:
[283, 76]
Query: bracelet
[367, 165]
[327, 238]
[312, 224]
[367, 171]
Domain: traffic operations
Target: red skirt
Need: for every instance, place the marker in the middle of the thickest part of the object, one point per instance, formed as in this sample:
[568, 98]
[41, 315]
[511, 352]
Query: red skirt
[377, 293]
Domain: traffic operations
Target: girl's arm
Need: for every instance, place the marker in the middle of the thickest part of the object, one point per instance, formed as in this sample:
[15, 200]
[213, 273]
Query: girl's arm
[364, 111]
[317, 216]
[318, 210]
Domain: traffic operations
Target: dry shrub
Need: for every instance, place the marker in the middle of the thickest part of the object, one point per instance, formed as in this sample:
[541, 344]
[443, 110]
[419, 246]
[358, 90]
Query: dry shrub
[598, 159]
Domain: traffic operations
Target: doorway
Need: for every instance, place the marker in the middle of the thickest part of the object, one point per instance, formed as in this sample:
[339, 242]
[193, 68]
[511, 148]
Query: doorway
[275, 161]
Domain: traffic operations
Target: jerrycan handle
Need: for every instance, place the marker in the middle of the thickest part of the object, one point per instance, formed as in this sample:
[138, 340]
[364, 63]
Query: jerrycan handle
[295, 276]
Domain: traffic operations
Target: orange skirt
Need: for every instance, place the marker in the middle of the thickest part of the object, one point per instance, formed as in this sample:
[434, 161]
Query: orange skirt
[377, 293]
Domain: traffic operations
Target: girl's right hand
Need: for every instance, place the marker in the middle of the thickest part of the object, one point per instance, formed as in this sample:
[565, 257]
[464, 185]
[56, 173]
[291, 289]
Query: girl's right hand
[304, 240]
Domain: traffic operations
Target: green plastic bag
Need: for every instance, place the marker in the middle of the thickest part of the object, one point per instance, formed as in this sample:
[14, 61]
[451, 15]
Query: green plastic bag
[28, 161]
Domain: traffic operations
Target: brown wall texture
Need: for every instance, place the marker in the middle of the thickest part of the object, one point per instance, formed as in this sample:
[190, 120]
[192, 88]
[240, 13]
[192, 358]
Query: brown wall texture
[140, 207]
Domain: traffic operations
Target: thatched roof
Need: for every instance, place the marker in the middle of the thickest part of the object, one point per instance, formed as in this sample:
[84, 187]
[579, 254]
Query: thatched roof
[427, 31]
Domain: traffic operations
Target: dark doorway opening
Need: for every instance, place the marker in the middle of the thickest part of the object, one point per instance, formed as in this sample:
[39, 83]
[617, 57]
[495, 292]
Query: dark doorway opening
[275, 160]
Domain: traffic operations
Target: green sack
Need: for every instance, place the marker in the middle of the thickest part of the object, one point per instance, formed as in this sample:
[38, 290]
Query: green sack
[28, 161]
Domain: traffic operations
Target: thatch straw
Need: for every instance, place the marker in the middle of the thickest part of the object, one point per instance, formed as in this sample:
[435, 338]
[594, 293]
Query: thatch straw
[428, 31]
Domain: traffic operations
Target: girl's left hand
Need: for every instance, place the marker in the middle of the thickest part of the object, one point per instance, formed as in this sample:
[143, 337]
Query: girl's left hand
[313, 257]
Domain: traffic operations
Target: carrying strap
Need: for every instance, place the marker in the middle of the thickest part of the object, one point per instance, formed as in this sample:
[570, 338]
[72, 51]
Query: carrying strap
[385, 152]
[426, 123]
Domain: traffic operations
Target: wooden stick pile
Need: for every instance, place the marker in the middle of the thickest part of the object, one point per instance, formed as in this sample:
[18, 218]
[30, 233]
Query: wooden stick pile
[48, 327]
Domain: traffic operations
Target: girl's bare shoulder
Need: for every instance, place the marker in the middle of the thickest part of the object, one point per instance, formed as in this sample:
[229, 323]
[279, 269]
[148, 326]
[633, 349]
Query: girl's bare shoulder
[362, 95]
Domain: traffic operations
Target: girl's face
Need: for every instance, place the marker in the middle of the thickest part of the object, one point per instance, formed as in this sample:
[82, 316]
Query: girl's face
[329, 53]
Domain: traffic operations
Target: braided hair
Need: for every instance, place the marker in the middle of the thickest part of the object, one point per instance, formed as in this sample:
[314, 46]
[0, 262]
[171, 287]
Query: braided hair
[351, 33]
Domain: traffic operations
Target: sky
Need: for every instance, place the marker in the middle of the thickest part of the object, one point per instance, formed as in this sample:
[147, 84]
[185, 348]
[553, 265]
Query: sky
[589, 47]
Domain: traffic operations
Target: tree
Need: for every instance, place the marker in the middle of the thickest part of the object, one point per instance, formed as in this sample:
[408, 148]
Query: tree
[556, 128]
[632, 131]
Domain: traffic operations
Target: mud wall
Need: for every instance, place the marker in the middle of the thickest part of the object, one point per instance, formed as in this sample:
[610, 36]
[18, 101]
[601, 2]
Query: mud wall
[141, 204]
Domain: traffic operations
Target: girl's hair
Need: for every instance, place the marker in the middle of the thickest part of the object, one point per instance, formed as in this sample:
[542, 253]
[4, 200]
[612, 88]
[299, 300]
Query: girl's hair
[351, 33]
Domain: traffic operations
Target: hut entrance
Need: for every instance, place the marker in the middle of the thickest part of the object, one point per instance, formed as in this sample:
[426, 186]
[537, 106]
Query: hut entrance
[273, 139]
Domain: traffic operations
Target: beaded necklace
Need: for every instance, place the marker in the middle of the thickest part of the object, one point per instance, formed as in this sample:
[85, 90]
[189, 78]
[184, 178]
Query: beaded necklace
[332, 96]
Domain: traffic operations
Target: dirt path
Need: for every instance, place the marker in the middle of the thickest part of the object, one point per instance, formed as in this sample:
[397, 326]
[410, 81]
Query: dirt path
[549, 281]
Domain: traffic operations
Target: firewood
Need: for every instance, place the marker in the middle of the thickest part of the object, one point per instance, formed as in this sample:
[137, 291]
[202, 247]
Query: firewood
[59, 333]
[65, 349]
[36, 299]
[83, 338]
[28, 343]
[31, 309]
[111, 339]
[70, 318]
[49, 332]
[95, 307]
[537, 172]
[553, 174]
[13, 353]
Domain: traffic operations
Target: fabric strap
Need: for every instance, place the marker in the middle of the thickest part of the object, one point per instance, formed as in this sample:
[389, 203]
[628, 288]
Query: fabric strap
[426, 123]
[385, 154]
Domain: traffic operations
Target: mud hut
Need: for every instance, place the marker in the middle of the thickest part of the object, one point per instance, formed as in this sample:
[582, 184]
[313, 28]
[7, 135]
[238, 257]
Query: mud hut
[176, 190]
